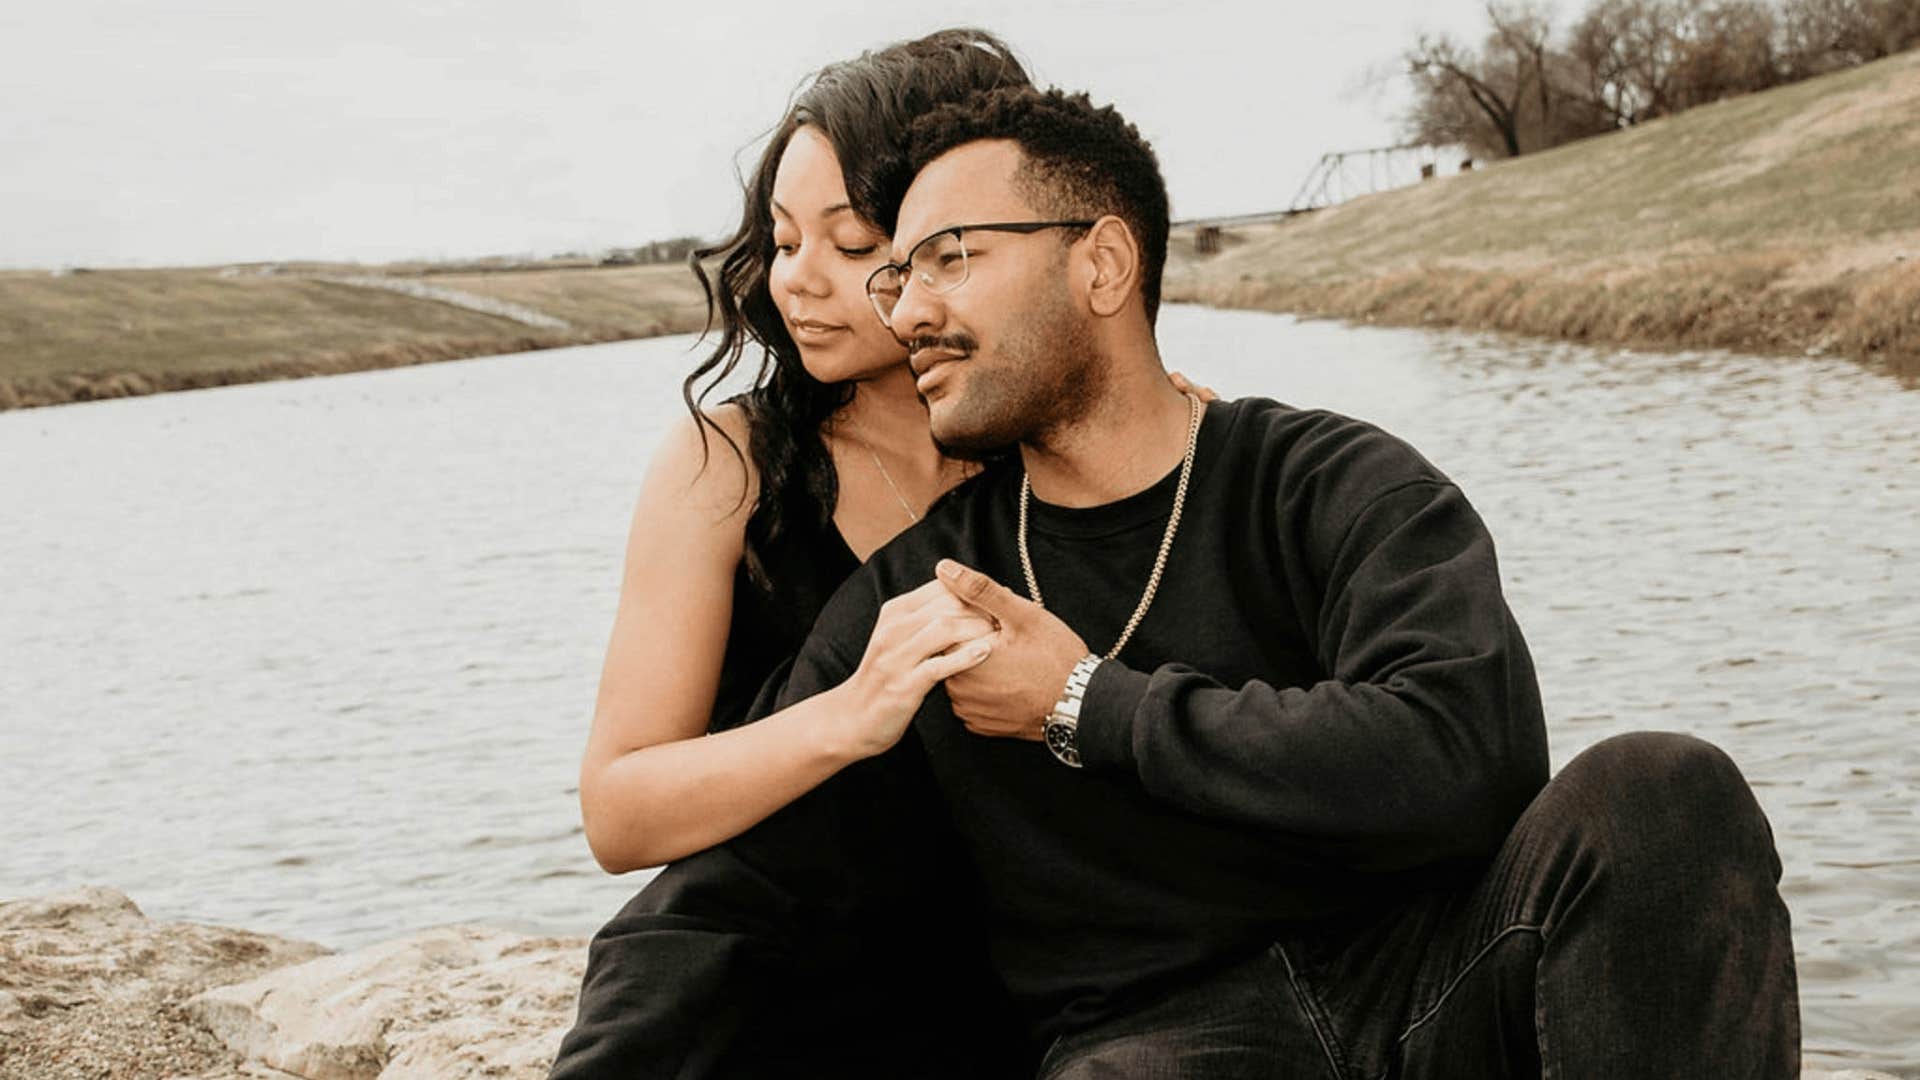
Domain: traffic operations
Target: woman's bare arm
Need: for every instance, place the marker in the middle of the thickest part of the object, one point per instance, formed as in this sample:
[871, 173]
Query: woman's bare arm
[653, 787]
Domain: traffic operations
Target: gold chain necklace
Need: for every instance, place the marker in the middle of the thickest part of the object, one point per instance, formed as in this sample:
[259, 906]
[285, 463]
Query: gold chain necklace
[1166, 541]
[888, 477]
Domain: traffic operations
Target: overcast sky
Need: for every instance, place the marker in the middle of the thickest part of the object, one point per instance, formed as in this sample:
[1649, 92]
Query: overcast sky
[177, 133]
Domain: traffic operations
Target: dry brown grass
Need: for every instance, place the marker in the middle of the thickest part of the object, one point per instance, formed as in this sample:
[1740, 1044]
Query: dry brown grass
[1783, 221]
[636, 298]
[1872, 315]
[115, 333]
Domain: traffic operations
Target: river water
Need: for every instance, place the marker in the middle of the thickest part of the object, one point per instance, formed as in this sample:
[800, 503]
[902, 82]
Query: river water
[317, 658]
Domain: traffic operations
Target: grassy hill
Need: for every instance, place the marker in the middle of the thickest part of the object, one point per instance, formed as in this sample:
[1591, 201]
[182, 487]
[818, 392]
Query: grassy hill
[111, 333]
[1786, 220]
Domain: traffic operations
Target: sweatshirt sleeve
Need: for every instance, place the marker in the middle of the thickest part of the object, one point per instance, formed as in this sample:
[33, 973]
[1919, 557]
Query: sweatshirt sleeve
[1425, 742]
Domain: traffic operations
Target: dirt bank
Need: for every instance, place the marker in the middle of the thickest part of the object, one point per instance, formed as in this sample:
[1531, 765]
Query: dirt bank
[82, 336]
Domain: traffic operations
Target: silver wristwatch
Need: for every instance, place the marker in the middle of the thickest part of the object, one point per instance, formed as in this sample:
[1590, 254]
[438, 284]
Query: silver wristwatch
[1062, 729]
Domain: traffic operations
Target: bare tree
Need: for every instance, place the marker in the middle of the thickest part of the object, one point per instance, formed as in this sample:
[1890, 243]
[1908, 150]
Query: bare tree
[1520, 32]
[1729, 51]
[1459, 98]
[1897, 25]
[1818, 36]
[1625, 62]
[1631, 52]
[1499, 100]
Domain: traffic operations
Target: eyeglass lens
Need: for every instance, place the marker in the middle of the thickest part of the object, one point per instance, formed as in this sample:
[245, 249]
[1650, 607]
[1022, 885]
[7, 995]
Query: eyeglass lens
[939, 263]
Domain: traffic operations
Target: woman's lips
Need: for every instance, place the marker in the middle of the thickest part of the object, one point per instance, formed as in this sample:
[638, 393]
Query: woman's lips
[809, 330]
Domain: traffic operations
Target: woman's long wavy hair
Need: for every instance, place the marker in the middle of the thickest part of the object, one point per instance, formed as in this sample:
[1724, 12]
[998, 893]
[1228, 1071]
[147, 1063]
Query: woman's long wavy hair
[863, 106]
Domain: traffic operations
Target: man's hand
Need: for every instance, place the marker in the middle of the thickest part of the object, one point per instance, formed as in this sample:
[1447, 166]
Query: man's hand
[1009, 694]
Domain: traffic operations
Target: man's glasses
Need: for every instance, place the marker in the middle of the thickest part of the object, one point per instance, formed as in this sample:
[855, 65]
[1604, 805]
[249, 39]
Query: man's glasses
[940, 262]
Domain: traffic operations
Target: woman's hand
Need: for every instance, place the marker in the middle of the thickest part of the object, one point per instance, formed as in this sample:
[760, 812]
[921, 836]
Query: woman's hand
[920, 639]
[1186, 386]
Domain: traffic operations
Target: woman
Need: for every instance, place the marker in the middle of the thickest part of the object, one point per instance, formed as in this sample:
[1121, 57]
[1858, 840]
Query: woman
[751, 514]
[734, 547]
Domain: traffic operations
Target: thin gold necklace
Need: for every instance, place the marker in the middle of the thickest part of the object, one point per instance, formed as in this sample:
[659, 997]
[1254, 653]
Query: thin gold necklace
[1166, 540]
[888, 477]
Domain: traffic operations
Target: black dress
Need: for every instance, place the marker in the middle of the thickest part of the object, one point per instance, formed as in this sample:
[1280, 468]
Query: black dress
[767, 628]
[913, 999]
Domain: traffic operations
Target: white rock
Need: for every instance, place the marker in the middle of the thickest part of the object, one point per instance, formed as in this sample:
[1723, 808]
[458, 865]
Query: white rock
[457, 1000]
[92, 987]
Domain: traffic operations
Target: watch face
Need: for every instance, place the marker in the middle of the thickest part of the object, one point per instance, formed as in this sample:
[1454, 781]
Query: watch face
[1060, 740]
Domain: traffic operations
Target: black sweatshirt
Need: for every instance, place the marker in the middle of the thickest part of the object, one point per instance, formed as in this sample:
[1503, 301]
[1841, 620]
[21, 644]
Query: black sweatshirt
[1328, 696]
[1328, 704]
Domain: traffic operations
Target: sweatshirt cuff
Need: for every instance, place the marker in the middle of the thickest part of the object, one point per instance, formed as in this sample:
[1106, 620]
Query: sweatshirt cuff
[1105, 734]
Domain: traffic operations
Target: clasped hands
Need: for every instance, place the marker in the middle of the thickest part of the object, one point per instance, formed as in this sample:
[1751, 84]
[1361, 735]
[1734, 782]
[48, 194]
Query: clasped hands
[1010, 693]
[1003, 658]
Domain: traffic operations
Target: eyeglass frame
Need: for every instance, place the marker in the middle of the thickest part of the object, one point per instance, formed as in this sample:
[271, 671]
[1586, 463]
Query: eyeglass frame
[905, 269]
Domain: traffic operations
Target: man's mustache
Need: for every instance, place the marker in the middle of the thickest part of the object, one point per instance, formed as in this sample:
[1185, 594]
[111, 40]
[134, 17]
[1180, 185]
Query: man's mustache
[962, 344]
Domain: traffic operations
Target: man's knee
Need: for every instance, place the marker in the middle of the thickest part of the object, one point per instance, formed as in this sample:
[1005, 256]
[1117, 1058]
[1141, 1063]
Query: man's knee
[1673, 796]
[1664, 757]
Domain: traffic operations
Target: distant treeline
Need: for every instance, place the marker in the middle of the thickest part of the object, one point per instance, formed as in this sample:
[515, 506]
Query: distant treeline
[675, 250]
[1532, 85]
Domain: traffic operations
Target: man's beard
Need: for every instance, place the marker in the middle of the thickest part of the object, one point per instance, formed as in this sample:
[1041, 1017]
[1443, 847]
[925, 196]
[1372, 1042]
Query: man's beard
[1046, 376]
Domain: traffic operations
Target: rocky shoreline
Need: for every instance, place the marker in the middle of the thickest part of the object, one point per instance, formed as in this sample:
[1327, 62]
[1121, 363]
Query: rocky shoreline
[90, 987]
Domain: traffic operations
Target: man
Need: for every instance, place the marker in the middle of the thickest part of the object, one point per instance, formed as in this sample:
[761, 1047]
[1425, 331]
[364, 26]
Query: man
[1253, 781]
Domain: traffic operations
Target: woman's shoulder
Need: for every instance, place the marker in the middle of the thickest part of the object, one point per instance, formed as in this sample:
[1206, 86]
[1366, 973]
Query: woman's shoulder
[704, 460]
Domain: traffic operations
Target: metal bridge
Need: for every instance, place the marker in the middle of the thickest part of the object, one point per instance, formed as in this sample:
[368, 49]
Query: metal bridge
[1348, 174]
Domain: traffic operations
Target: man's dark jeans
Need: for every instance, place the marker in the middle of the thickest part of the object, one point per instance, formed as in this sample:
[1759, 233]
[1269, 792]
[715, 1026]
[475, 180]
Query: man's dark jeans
[1631, 926]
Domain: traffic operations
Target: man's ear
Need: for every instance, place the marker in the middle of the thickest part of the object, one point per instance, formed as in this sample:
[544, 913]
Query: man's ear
[1115, 259]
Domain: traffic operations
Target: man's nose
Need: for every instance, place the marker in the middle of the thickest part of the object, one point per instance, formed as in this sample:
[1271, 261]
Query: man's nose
[917, 312]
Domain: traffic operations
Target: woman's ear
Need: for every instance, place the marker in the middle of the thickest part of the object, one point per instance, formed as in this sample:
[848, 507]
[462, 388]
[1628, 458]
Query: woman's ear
[1115, 258]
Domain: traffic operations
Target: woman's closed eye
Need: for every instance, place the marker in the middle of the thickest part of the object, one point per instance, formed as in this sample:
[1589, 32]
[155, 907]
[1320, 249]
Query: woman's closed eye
[788, 247]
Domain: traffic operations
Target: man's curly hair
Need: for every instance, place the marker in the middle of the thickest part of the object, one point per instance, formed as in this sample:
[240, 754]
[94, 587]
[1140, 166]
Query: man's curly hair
[1082, 161]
